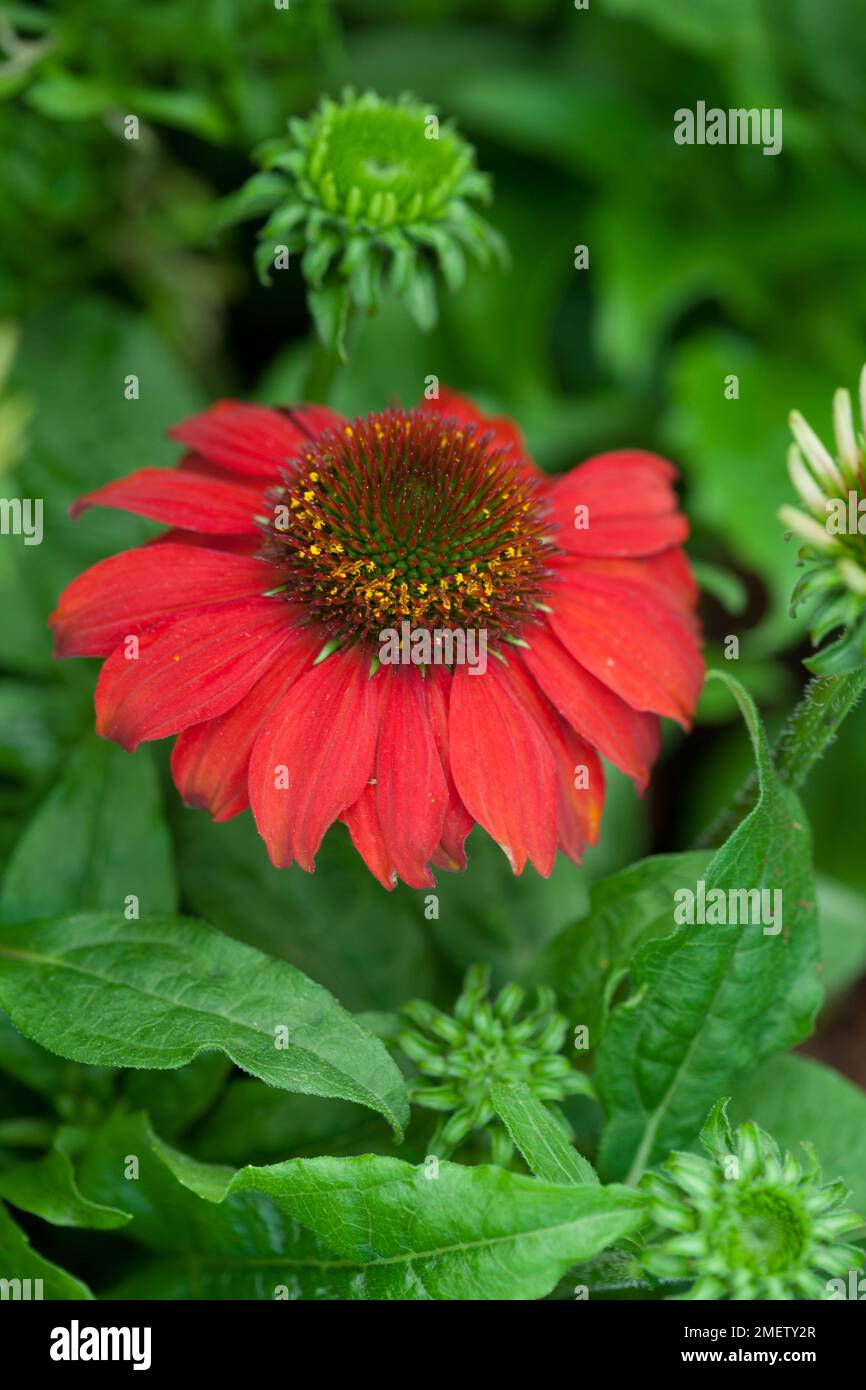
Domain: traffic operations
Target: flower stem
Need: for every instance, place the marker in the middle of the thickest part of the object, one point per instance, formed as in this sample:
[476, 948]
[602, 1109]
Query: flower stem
[320, 374]
[805, 738]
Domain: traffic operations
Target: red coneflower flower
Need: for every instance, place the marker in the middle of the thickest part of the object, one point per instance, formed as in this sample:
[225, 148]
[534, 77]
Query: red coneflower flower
[253, 630]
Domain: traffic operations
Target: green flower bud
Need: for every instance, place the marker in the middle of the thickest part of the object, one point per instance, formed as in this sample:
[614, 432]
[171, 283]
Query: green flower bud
[378, 197]
[747, 1221]
[485, 1041]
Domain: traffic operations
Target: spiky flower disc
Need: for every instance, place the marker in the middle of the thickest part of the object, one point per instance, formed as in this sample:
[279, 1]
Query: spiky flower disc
[483, 1041]
[748, 1221]
[401, 516]
[832, 506]
[375, 194]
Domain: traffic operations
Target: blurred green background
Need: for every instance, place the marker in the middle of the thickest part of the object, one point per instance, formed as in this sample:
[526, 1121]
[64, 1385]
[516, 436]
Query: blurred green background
[703, 262]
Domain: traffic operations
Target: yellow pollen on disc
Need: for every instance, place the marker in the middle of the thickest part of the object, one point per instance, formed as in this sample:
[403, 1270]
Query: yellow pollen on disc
[401, 516]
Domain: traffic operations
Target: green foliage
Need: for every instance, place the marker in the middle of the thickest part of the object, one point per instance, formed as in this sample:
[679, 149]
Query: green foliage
[146, 954]
[350, 1228]
[97, 988]
[712, 1000]
[539, 1136]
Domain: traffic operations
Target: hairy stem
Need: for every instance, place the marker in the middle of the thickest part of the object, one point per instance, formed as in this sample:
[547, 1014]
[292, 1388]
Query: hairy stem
[807, 735]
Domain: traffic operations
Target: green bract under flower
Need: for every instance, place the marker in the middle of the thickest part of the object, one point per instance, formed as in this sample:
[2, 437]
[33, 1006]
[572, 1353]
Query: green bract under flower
[376, 195]
[831, 522]
[748, 1221]
[484, 1041]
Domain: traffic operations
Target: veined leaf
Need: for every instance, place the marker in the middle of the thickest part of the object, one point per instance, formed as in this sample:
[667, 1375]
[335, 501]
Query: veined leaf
[626, 909]
[352, 1228]
[711, 1001]
[539, 1137]
[157, 992]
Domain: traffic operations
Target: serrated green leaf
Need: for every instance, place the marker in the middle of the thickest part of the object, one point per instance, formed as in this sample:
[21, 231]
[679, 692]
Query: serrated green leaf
[354, 1228]
[539, 1137]
[711, 1001]
[157, 992]
[101, 832]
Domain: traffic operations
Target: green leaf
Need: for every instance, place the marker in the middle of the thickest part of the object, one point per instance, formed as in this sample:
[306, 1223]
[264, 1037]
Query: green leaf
[101, 832]
[18, 1260]
[798, 1099]
[192, 111]
[487, 914]
[242, 1248]
[353, 1228]
[336, 925]
[47, 1187]
[713, 1000]
[725, 585]
[626, 910]
[472, 1233]
[157, 992]
[63, 97]
[539, 1137]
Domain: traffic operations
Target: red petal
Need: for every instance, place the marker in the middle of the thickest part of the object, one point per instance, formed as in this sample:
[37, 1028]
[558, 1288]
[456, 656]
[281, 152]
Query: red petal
[250, 544]
[362, 819]
[627, 738]
[128, 592]
[623, 634]
[631, 505]
[451, 852]
[503, 767]
[580, 806]
[411, 791]
[210, 761]
[452, 406]
[187, 500]
[191, 668]
[252, 439]
[323, 732]
[667, 575]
